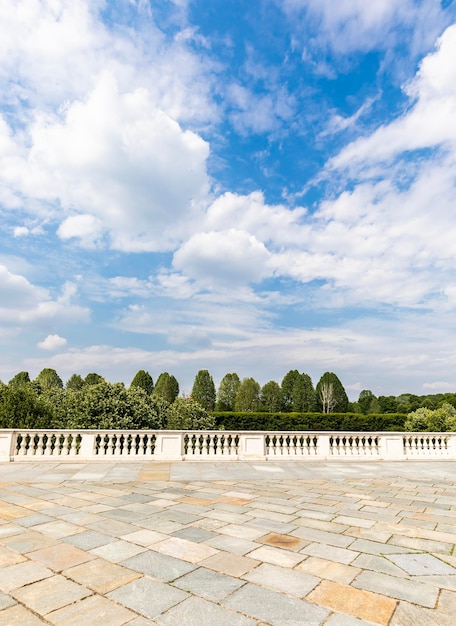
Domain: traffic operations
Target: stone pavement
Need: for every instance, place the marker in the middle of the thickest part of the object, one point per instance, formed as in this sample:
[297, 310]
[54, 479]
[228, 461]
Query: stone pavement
[340, 543]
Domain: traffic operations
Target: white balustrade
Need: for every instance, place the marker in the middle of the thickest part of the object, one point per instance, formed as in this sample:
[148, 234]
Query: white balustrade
[33, 445]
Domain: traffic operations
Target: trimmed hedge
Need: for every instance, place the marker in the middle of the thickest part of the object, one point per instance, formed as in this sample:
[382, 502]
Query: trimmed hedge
[309, 421]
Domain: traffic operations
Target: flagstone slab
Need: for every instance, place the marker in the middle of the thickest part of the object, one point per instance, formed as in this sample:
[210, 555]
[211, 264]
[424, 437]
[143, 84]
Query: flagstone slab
[275, 608]
[118, 551]
[422, 565]
[50, 594]
[6, 601]
[185, 550]
[100, 575]
[10, 557]
[60, 556]
[282, 579]
[230, 564]
[345, 599]
[19, 616]
[92, 610]
[160, 566]
[208, 584]
[276, 556]
[399, 588]
[411, 615]
[323, 568]
[148, 597]
[22, 574]
[197, 611]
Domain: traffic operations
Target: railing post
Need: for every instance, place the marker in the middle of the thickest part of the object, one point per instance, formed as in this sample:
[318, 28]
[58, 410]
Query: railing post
[87, 447]
[169, 445]
[6, 446]
[252, 445]
[391, 446]
[323, 446]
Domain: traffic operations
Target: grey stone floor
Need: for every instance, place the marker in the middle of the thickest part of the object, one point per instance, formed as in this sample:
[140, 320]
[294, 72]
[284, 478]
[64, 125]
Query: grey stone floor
[241, 543]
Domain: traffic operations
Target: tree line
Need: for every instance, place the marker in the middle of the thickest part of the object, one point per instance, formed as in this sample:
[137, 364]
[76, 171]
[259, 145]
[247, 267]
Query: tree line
[93, 402]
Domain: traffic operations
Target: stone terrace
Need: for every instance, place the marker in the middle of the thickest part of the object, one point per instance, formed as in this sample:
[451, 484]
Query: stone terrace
[245, 543]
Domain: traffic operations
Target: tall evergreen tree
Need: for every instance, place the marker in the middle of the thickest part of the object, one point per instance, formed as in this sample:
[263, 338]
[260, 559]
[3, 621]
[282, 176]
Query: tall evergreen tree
[75, 382]
[226, 393]
[21, 378]
[331, 395]
[288, 383]
[248, 395]
[49, 379]
[271, 397]
[167, 387]
[93, 379]
[203, 390]
[143, 380]
[303, 395]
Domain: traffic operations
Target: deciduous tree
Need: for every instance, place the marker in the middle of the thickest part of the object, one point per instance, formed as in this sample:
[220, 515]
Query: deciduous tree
[226, 393]
[203, 390]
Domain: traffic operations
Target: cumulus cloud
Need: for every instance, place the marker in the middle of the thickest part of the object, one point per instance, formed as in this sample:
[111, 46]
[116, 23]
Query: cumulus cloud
[223, 258]
[129, 169]
[25, 303]
[52, 342]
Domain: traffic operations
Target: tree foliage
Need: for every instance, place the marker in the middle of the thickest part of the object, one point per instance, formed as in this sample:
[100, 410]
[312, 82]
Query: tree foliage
[304, 398]
[271, 397]
[288, 384]
[19, 379]
[331, 395]
[226, 393]
[248, 395]
[187, 414]
[167, 387]
[203, 390]
[143, 380]
[93, 379]
[437, 420]
[75, 382]
[48, 379]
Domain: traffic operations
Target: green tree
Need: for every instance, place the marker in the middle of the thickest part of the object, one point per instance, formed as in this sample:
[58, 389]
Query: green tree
[388, 404]
[248, 395]
[22, 378]
[22, 407]
[366, 397]
[75, 382]
[143, 380]
[304, 399]
[187, 414]
[167, 387]
[48, 379]
[331, 395]
[288, 383]
[226, 393]
[203, 390]
[93, 379]
[271, 397]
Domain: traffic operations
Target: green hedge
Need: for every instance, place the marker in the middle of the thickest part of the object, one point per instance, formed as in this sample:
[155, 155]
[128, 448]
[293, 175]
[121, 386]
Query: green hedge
[309, 421]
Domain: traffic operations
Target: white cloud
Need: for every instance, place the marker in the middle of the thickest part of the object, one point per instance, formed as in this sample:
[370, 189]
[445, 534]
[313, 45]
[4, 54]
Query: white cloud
[440, 386]
[223, 258]
[52, 342]
[123, 164]
[25, 304]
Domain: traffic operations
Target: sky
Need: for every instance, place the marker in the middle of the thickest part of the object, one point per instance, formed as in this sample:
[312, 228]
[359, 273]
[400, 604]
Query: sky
[246, 187]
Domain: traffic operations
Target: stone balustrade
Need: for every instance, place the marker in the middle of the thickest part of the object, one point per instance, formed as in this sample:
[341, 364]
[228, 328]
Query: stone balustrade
[24, 445]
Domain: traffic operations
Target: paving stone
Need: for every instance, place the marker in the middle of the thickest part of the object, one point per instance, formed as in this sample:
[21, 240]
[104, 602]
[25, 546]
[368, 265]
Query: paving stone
[276, 556]
[379, 564]
[92, 610]
[89, 539]
[416, 543]
[373, 547]
[22, 574]
[208, 584]
[28, 541]
[197, 611]
[447, 602]
[412, 615]
[10, 557]
[193, 533]
[279, 540]
[6, 601]
[34, 520]
[288, 581]
[442, 582]
[275, 608]
[158, 565]
[50, 594]
[58, 529]
[338, 619]
[148, 597]
[243, 532]
[60, 557]
[144, 537]
[337, 572]
[185, 550]
[344, 599]
[321, 536]
[19, 616]
[323, 551]
[399, 588]
[422, 565]
[100, 575]
[117, 551]
[231, 564]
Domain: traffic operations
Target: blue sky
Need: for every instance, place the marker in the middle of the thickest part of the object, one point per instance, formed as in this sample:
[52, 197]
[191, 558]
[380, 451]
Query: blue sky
[250, 187]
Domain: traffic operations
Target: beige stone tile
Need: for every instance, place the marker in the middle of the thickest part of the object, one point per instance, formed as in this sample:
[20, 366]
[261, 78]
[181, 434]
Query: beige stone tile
[230, 564]
[184, 549]
[362, 604]
[144, 537]
[22, 574]
[12, 511]
[337, 572]
[243, 532]
[58, 529]
[61, 556]
[49, 594]
[100, 575]
[276, 556]
[19, 616]
[92, 610]
[9, 557]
